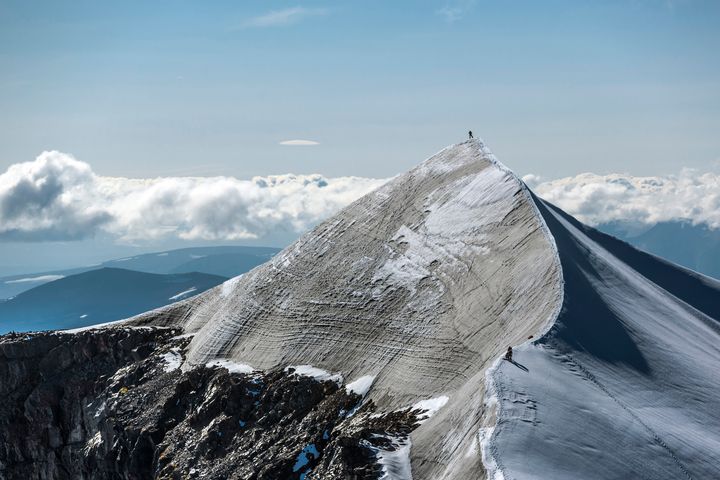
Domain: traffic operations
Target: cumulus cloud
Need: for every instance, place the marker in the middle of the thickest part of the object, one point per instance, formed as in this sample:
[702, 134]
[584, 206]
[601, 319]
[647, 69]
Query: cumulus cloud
[281, 18]
[299, 143]
[57, 197]
[47, 200]
[596, 199]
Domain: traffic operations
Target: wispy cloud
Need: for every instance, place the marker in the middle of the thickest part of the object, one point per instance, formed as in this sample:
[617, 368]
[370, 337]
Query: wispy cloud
[299, 143]
[454, 11]
[285, 17]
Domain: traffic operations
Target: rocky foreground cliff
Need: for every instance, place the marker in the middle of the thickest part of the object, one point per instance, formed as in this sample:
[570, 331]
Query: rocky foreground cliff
[113, 403]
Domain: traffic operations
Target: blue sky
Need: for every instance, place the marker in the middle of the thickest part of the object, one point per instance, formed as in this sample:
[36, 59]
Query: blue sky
[203, 88]
[182, 88]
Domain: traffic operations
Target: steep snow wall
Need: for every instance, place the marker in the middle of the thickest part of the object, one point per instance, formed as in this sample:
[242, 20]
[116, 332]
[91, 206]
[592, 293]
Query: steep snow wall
[420, 284]
[626, 384]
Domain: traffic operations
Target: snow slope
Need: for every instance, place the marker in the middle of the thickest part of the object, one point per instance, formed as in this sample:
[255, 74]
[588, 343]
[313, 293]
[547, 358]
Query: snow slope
[627, 382]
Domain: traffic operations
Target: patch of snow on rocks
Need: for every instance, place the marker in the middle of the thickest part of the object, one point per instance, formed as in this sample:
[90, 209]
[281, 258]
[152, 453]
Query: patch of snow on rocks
[232, 367]
[395, 463]
[361, 386]
[94, 441]
[431, 406]
[172, 359]
[317, 373]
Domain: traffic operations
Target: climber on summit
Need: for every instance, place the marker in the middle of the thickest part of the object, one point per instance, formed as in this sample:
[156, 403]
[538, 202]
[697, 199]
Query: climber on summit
[508, 354]
[470, 135]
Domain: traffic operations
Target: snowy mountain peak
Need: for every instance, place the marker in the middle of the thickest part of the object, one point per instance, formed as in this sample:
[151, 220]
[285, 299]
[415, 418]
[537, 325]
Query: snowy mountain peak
[422, 285]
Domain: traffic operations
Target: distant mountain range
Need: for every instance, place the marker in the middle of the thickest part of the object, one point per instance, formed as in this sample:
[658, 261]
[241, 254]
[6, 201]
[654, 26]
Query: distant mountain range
[120, 288]
[88, 295]
[696, 247]
[227, 261]
[98, 296]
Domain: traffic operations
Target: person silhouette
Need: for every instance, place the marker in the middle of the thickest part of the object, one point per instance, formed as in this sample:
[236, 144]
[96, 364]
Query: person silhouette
[470, 135]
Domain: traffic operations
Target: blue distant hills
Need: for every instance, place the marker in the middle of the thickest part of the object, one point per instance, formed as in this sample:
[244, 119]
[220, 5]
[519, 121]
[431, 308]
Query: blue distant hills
[694, 246]
[119, 288]
[124, 287]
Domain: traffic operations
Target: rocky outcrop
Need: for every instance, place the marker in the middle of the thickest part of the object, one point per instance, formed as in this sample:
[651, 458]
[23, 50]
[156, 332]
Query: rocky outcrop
[113, 403]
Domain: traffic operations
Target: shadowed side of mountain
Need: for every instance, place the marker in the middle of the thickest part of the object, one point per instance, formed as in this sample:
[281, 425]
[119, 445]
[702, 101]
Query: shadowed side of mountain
[626, 383]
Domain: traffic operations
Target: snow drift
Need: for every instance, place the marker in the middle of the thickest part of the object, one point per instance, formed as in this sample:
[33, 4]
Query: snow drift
[422, 284]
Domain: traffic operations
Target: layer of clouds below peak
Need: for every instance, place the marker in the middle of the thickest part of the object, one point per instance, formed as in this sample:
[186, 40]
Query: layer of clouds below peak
[635, 201]
[57, 197]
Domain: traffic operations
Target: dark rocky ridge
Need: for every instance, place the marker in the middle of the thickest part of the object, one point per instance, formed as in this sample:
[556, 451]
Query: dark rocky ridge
[107, 403]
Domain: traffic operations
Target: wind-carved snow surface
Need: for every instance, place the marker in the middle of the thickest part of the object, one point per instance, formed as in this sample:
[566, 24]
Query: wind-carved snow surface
[627, 382]
[229, 285]
[421, 283]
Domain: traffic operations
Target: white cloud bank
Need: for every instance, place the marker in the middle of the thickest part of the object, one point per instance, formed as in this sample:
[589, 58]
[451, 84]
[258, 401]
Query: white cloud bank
[57, 197]
[595, 199]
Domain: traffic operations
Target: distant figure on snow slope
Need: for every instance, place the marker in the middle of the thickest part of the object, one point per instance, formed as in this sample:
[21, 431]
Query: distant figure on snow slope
[508, 354]
[470, 135]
